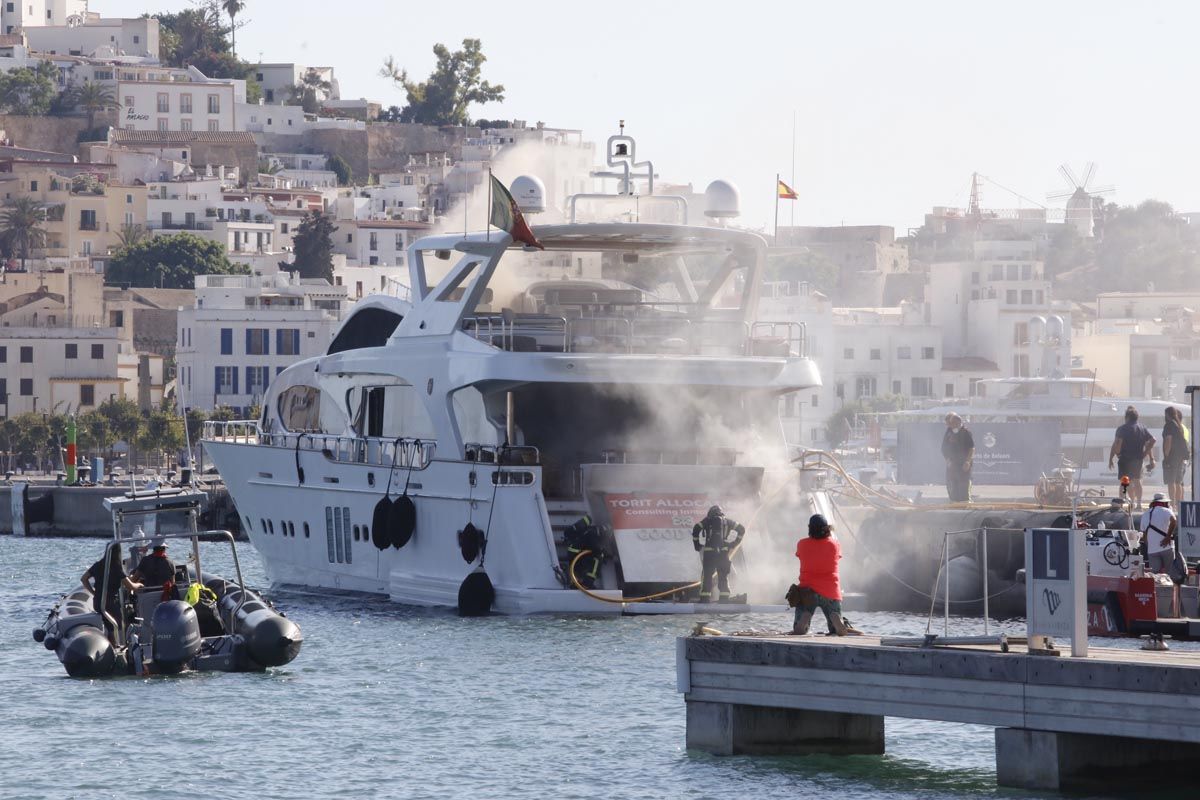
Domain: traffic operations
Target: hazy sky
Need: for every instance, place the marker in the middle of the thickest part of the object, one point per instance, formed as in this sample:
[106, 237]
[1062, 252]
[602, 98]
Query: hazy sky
[896, 103]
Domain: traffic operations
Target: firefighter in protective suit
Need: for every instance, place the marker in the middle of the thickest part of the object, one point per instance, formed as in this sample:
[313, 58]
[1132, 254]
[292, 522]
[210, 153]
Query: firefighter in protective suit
[714, 537]
[580, 536]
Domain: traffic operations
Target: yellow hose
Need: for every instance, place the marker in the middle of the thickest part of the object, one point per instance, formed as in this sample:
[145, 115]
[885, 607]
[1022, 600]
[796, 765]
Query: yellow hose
[624, 600]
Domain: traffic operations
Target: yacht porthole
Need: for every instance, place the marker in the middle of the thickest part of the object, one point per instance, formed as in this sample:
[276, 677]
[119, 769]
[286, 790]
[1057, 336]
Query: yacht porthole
[306, 530]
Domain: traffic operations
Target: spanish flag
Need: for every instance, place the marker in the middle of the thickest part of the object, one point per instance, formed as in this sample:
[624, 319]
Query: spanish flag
[786, 192]
[507, 216]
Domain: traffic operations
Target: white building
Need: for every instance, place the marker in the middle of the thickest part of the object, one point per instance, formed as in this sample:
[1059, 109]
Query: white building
[244, 330]
[277, 80]
[28, 14]
[58, 370]
[197, 104]
[998, 307]
[883, 351]
[96, 37]
[376, 242]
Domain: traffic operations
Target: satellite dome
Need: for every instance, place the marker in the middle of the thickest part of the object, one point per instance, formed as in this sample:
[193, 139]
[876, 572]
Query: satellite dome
[530, 194]
[721, 200]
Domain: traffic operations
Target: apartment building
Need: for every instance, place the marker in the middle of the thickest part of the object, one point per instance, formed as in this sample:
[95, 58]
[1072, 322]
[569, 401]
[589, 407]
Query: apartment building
[245, 329]
[60, 369]
[890, 350]
[85, 209]
[179, 105]
[998, 306]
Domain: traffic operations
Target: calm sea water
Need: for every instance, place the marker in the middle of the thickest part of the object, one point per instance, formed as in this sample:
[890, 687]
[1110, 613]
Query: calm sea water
[386, 701]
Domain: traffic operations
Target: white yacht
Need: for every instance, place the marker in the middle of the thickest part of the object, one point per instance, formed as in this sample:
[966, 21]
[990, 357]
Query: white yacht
[622, 373]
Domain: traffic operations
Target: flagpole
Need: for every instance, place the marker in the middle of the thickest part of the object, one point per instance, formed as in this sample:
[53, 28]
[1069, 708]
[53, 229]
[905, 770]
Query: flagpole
[793, 184]
[489, 206]
[777, 209]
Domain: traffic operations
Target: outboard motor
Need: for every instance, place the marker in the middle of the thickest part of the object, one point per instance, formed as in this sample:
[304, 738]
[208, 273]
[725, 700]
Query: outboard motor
[176, 636]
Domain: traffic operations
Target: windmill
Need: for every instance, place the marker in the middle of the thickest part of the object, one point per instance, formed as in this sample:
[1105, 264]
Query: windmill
[1083, 200]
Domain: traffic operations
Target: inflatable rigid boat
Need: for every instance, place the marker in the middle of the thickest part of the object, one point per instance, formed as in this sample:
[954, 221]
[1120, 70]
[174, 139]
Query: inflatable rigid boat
[196, 621]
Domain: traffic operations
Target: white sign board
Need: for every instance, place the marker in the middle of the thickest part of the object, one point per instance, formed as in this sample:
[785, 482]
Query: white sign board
[653, 532]
[1056, 585]
[1189, 529]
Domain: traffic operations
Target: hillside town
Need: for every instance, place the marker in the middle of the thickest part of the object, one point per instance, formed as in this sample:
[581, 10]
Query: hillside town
[175, 240]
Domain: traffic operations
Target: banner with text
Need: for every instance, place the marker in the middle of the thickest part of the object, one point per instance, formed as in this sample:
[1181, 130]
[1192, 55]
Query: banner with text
[653, 533]
[1006, 453]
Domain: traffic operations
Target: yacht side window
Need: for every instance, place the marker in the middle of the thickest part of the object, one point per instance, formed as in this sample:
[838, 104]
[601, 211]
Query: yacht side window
[300, 408]
[389, 412]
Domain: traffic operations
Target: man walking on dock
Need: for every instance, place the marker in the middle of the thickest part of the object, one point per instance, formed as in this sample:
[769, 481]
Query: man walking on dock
[958, 448]
[1133, 443]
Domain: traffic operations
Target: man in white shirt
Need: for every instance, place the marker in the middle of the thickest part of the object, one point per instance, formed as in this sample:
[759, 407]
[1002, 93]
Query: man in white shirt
[1159, 527]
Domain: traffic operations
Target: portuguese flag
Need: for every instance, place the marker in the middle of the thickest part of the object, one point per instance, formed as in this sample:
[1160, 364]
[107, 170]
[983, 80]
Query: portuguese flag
[506, 216]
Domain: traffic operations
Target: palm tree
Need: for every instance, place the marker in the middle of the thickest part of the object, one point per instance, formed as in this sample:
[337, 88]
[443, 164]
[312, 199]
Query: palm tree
[233, 8]
[93, 97]
[130, 234]
[21, 226]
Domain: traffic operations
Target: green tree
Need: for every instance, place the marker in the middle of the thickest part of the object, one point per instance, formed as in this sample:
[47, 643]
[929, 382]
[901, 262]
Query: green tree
[21, 226]
[195, 424]
[341, 168]
[453, 86]
[233, 8]
[29, 91]
[162, 432]
[8, 439]
[94, 428]
[124, 420]
[93, 97]
[310, 92]
[313, 245]
[130, 234]
[170, 262]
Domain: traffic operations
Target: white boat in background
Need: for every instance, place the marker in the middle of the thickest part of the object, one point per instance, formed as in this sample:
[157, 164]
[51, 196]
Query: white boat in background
[621, 373]
[1086, 413]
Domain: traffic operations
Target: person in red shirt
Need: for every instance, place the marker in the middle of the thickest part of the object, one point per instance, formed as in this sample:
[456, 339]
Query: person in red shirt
[819, 584]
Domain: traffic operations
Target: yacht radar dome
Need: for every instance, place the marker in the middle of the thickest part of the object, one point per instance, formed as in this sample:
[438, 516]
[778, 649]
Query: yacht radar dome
[530, 194]
[722, 200]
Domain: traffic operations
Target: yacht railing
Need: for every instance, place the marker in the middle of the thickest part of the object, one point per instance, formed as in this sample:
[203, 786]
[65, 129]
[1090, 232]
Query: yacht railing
[407, 453]
[502, 454]
[637, 333]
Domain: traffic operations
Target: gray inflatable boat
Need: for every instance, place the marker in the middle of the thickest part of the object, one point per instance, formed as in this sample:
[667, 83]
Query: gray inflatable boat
[195, 622]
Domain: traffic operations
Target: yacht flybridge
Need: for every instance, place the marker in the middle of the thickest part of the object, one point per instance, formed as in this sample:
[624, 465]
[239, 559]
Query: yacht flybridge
[621, 374]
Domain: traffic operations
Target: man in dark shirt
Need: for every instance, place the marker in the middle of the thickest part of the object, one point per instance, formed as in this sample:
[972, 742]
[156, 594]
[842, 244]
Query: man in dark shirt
[1132, 445]
[155, 569]
[958, 448]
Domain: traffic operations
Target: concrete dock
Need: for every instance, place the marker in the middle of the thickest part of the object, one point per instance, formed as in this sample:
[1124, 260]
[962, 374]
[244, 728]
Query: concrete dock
[1117, 716]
